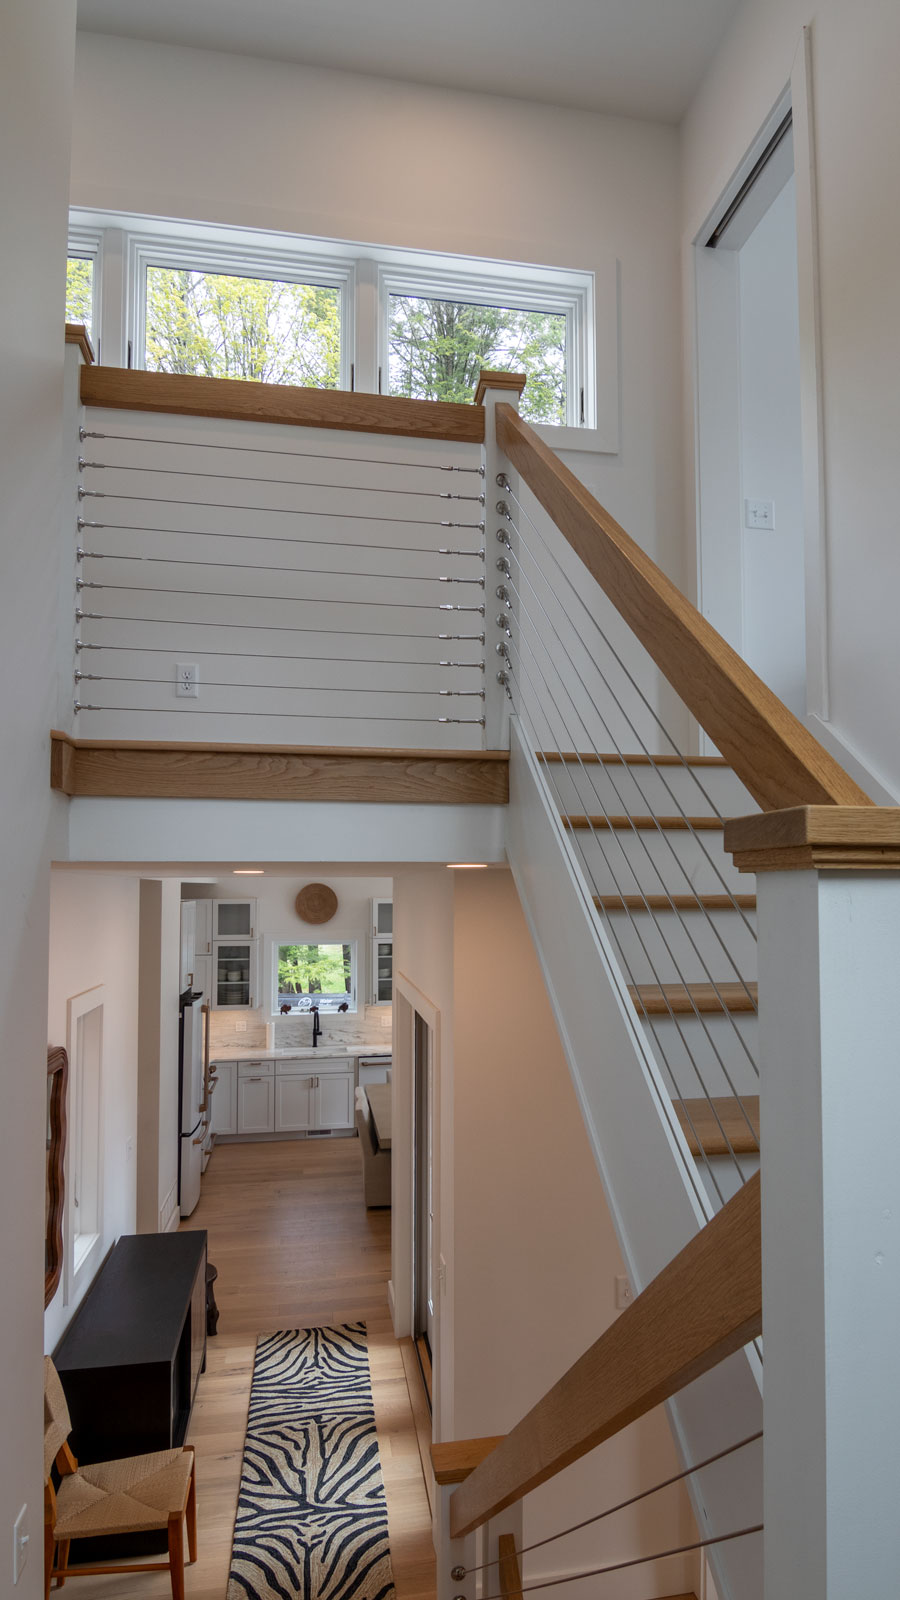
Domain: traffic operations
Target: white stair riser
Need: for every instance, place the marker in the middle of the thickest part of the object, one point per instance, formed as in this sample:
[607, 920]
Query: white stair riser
[686, 947]
[648, 791]
[623, 861]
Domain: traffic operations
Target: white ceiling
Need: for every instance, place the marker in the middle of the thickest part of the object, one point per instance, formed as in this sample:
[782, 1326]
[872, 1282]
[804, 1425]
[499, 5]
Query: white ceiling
[635, 57]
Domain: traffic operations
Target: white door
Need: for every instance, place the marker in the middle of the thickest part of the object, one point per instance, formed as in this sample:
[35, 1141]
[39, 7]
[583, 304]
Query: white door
[256, 1105]
[334, 1100]
[294, 1103]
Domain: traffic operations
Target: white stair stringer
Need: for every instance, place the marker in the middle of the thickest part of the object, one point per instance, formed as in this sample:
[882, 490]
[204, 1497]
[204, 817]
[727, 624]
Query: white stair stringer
[655, 1193]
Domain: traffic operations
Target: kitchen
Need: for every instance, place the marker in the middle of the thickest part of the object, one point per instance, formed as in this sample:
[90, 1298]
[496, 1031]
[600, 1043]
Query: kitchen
[295, 978]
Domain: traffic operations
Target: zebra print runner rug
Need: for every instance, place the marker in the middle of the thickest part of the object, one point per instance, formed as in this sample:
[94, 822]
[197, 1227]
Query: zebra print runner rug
[311, 1519]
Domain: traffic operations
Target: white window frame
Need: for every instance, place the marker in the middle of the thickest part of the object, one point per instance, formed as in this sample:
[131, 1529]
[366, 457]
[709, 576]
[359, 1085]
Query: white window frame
[365, 276]
[87, 245]
[497, 283]
[335, 938]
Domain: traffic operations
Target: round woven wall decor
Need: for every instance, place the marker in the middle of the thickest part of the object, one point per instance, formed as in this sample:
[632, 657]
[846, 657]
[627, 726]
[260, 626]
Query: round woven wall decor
[316, 903]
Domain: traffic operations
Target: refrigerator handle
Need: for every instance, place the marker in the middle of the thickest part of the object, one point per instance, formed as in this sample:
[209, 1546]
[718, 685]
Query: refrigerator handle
[204, 1104]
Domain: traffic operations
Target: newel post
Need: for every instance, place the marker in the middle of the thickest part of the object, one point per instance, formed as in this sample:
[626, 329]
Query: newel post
[829, 1019]
[500, 577]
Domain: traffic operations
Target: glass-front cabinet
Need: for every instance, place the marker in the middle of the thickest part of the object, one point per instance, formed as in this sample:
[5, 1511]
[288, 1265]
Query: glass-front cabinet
[382, 952]
[235, 985]
[234, 919]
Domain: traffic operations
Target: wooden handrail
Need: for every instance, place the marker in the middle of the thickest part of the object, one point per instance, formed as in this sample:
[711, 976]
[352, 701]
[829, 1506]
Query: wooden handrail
[243, 401]
[773, 754]
[76, 333]
[702, 1307]
[804, 838]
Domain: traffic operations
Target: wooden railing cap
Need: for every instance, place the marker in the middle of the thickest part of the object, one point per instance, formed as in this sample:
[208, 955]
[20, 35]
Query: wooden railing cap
[842, 838]
[76, 333]
[513, 381]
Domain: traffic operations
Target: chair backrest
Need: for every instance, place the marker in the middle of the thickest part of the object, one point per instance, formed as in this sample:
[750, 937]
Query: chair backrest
[57, 1422]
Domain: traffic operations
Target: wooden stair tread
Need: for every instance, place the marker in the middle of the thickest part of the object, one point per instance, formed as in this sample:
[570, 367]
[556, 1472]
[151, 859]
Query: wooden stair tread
[655, 1000]
[674, 902]
[580, 822]
[721, 1126]
[593, 759]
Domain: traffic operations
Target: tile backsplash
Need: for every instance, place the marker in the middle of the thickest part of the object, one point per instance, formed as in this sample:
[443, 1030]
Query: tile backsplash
[369, 1027]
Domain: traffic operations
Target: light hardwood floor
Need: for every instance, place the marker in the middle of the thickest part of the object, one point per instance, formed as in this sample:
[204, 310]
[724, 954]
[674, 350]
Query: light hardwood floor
[295, 1248]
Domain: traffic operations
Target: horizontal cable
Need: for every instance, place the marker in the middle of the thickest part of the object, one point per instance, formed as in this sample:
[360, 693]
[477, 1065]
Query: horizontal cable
[274, 538]
[260, 566]
[287, 483]
[576, 1527]
[299, 716]
[636, 1561]
[274, 511]
[274, 655]
[264, 450]
[270, 627]
[293, 599]
[290, 688]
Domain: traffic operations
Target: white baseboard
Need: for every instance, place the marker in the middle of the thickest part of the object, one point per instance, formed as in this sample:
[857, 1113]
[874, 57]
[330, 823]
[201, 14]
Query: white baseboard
[392, 1307]
[862, 772]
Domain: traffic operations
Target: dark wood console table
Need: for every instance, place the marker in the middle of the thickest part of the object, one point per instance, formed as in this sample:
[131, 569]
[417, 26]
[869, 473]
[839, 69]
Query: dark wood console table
[131, 1358]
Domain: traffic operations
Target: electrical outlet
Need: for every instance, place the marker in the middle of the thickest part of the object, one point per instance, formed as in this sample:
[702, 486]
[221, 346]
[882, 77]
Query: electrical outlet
[442, 1275]
[759, 514]
[624, 1295]
[187, 679]
[240, 1025]
[21, 1538]
[129, 1151]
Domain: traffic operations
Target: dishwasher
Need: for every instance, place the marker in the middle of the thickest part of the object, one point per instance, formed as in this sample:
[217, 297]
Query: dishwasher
[374, 1068]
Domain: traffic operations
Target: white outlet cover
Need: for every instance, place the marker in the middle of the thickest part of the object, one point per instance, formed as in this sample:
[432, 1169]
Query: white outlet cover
[21, 1540]
[759, 514]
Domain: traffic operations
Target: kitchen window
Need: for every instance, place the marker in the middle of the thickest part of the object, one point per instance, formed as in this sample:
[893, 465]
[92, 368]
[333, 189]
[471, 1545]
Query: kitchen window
[232, 303]
[307, 975]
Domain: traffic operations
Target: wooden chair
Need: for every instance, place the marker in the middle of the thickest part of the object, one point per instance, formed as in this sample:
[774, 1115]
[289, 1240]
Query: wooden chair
[110, 1497]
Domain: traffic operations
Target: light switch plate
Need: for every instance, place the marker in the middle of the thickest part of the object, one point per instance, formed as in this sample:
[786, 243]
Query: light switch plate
[759, 514]
[21, 1538]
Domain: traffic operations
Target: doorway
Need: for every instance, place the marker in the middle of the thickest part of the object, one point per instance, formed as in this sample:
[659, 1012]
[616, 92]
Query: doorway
[423, 1197]
[750, 458]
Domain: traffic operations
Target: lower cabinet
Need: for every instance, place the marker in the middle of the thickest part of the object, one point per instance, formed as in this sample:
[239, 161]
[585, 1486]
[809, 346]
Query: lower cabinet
[265, 1096]
[224, 1097]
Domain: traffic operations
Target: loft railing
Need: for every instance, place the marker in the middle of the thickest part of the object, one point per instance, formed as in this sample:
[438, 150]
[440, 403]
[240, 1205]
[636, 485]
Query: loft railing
[829, 926]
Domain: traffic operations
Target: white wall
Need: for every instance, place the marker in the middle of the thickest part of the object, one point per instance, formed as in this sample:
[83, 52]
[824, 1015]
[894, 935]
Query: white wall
[35, 107]
[857, 120]
[94, 940]
[339, 155]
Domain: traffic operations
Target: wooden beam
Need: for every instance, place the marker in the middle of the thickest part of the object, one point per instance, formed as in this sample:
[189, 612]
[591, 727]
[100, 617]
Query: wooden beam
[243, 401]
[720, 1127]
[76, 333]
[773, 754]
[160, 771]
[702, 1307]
[839, 837]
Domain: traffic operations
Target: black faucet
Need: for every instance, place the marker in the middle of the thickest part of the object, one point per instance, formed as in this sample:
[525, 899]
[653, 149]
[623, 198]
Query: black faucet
[316, 1028]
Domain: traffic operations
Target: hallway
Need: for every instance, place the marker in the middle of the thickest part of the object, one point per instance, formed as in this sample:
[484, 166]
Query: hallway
[294, 1247]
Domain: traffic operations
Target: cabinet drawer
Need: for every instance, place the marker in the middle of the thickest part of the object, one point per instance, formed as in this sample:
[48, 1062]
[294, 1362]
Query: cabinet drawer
[294, 1064]
[256, 1069]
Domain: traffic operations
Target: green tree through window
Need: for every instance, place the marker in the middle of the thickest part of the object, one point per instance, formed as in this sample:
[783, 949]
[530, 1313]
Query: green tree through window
[217, 326]
[438, 347]
[324, 970]
[80, 290]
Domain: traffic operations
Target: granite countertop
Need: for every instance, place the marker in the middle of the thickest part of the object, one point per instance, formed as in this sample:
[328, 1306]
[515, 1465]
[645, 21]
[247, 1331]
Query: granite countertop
[249, 1052]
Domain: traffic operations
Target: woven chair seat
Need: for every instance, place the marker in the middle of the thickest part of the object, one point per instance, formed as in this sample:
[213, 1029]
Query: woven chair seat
[123, 1496]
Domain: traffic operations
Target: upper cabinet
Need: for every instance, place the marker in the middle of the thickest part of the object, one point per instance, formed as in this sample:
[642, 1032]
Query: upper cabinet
[234, 919]
[382, 952]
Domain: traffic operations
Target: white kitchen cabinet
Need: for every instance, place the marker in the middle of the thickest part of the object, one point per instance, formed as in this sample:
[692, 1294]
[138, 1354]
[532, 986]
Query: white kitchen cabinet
[234, 919]
[255, 1097]
[203, 922]
[294, 1102]
[196, 945]
[382, 986]
[224, 1099]
[314, 1095]
[188, 927]
[235, 975]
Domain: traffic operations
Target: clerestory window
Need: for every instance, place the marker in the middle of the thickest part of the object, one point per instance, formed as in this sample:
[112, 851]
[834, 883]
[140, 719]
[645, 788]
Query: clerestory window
[228, 303]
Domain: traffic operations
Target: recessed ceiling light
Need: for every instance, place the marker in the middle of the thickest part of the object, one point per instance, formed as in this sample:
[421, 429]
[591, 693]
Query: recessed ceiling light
[466, 866]
[248, 872]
